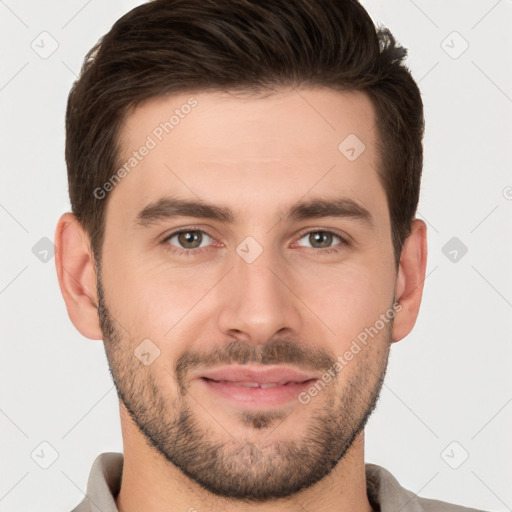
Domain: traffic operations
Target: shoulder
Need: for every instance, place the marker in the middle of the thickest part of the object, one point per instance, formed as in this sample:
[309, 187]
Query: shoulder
[103, 484]
[386, 494]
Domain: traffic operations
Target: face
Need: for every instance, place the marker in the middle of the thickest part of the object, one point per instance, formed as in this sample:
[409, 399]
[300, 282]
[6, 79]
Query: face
[247, 284]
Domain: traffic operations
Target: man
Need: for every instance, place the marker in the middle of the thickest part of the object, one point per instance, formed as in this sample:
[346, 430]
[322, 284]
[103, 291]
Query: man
[244, 178]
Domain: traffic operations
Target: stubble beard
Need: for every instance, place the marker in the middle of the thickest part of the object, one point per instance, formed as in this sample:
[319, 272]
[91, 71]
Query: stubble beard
[262, 470]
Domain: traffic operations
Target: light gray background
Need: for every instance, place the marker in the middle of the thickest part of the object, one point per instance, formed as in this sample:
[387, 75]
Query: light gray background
[448, 381]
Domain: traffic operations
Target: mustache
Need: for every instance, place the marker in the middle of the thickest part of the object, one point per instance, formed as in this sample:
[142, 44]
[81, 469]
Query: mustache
[279, 351]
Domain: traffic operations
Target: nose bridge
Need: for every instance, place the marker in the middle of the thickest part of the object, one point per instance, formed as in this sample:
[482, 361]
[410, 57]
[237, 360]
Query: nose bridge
[255, 300]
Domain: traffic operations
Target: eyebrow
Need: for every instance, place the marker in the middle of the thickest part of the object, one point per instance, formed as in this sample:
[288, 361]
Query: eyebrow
[167, 208]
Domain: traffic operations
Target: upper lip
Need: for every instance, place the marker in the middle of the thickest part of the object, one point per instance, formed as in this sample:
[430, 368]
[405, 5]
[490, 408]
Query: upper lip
[274, 374]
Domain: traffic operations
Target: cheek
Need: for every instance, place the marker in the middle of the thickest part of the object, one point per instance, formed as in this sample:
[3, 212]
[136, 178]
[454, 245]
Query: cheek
[347, 299]
[160, 299]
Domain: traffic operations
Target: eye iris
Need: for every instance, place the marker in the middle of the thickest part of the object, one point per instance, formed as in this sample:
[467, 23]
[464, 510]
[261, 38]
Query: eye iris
[323, 239]
[190, 239]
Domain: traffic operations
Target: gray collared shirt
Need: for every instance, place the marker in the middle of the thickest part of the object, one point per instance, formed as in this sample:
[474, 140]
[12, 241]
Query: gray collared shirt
[384, 492]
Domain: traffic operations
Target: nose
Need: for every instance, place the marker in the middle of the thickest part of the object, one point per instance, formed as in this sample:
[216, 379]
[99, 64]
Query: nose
[257, 300]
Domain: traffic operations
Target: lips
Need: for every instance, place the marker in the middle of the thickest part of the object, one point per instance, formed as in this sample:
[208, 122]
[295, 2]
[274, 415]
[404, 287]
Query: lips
[265, 385]
[252, 377]
[255, 387]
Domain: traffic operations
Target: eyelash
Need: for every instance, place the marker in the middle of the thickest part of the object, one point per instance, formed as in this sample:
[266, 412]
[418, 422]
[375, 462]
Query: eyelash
[199, 251]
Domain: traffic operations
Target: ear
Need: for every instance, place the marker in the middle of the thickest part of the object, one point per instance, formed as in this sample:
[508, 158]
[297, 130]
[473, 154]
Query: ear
[410, 279]
[76, 271]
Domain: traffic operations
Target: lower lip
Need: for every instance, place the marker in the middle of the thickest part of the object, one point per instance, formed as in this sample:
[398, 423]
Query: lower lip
[257, 397]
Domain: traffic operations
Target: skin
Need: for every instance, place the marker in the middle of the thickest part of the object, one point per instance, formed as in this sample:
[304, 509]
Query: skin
[256, 156]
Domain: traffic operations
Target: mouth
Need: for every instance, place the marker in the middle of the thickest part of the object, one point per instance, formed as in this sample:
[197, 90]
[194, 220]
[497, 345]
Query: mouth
[261, 385]
[255, 388]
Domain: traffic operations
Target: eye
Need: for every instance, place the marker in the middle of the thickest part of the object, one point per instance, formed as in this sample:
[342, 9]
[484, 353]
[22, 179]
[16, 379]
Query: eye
[188, 239]
[321, 239]
[193, 241]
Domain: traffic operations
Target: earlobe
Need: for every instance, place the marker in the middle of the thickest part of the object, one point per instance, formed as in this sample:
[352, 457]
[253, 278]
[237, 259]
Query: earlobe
[410, 280]
[76, 272]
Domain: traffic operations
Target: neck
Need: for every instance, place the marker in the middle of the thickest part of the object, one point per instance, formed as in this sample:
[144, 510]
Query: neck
[150, 482]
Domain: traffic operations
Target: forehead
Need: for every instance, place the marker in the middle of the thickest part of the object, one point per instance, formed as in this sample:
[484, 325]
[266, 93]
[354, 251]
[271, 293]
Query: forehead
[249, 150]
[278, 123]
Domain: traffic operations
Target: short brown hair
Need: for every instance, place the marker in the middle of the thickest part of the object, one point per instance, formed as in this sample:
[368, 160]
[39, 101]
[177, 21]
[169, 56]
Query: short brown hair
[175, 46]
